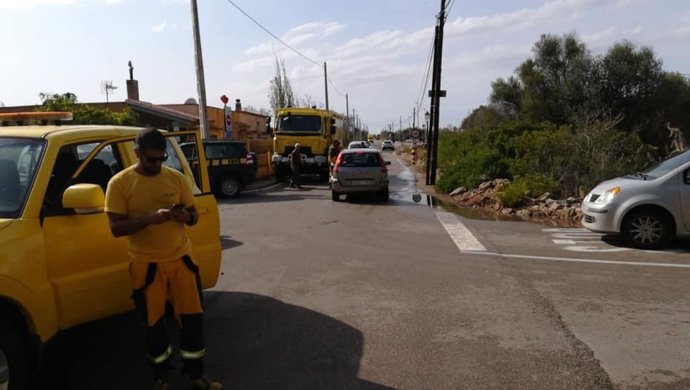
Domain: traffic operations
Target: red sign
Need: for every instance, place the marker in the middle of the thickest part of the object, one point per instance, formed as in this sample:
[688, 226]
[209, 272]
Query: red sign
[224, 99]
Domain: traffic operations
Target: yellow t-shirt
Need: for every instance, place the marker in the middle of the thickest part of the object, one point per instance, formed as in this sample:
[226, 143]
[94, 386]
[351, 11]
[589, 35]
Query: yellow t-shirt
[135, 195]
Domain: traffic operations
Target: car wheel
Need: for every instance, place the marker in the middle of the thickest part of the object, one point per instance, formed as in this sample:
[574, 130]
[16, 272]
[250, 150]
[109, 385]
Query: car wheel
[229, 187]
[335, 196]
[384, 195]
[14, 363]
[646, 229]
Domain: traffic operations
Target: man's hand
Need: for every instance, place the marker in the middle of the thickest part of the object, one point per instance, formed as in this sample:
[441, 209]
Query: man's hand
[180, 215]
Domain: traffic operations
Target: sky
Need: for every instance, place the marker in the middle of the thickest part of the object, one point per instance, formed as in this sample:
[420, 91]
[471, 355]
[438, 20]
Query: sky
[376, 51]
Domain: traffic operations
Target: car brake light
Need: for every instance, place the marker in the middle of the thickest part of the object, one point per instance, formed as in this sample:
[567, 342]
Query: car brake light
[384, 168]
[337, 163]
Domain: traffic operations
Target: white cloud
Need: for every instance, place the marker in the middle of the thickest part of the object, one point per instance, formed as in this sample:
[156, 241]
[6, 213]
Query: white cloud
[33, 3]
[521, 18]
[163, 27]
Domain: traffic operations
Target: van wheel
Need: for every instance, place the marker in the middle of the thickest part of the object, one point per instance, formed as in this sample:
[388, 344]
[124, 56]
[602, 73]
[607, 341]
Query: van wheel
[14, 362]
[335, 196]
[229, 187]
[646, 229]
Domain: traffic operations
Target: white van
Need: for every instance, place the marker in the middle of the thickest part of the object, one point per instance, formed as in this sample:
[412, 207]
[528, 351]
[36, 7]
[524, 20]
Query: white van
[647, 208]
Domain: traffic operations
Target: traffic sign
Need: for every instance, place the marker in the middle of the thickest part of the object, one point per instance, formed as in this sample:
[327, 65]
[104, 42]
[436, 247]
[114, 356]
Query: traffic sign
[415, 133]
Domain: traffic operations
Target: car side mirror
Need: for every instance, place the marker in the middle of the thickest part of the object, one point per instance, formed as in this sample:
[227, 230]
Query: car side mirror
[269, 129]
[84, 198]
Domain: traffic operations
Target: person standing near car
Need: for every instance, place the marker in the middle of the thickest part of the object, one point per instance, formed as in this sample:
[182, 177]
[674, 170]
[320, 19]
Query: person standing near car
[151, 204]
[333, 152]
[296, 166]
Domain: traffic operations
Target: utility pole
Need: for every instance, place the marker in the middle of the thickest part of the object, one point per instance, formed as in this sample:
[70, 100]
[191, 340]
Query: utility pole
[200, 83]
[436, 94]
[325, 82]
[347, 120]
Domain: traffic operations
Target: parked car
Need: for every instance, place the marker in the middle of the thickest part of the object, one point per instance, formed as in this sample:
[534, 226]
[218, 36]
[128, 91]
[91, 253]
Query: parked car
[387, 145]
[647, 208]
[231, 167]
[360, 171]
[60, 265]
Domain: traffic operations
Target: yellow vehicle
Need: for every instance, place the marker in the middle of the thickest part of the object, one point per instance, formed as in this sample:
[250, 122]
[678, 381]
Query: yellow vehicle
[60, 265]
[371, 138]
[314, 130]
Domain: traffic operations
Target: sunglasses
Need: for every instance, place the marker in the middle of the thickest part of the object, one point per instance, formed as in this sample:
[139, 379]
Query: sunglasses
[153, 160]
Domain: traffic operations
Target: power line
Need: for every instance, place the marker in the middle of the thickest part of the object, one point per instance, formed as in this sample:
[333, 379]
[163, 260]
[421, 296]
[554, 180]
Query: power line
[273, 35]
[285, 44]
[450, 7]
[426, 77]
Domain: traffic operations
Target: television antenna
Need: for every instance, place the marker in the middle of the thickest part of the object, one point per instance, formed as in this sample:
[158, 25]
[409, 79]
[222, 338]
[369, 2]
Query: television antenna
[106, 87]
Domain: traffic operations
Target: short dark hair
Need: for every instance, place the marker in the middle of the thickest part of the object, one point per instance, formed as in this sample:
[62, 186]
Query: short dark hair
[150, 138]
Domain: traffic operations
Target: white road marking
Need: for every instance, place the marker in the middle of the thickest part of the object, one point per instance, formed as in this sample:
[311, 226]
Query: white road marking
[575, 260]
[580, 240]
[463, 238]
[564, 242]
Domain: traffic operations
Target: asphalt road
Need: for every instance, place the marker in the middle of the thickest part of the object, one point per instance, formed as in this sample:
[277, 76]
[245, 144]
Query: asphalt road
[316, 294]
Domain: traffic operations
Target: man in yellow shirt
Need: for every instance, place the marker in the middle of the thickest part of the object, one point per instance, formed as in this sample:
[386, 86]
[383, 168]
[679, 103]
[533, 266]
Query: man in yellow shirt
[150, 204]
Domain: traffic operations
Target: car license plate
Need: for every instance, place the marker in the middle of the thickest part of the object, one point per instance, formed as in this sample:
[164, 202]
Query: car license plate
[360, 182]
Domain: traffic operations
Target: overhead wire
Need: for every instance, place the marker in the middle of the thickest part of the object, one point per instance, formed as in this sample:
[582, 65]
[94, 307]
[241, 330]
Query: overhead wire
[273, 35]
[285, 44]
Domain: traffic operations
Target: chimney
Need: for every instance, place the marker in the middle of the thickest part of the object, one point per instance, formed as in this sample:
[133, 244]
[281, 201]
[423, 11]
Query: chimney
[238, 105]
[132, 84]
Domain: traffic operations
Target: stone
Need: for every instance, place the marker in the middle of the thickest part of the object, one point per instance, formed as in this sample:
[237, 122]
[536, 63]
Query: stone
[458, 191]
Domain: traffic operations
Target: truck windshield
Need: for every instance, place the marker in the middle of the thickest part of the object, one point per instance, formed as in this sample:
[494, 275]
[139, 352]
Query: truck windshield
[19, 159]
[301, 123]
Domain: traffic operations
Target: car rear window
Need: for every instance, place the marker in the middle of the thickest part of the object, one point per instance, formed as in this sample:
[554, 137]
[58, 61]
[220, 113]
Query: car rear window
[360, 160]
[225, 150]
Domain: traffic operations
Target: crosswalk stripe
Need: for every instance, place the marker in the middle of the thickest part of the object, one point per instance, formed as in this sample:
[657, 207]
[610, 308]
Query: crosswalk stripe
[459, 233]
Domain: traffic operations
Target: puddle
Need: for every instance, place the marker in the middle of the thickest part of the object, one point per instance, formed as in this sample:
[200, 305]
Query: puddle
[407, 191]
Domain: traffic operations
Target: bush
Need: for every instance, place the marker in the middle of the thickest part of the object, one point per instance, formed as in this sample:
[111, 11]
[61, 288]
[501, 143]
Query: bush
[514, 194]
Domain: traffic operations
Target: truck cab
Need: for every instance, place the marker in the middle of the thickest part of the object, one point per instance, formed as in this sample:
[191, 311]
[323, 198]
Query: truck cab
[314, 130]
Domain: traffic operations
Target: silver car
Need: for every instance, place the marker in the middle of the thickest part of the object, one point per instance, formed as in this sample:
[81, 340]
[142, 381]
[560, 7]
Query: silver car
[647, 208]
[360, 171]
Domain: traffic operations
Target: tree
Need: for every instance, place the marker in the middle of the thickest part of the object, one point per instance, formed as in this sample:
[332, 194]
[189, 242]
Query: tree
[83, 114]
[281, 94]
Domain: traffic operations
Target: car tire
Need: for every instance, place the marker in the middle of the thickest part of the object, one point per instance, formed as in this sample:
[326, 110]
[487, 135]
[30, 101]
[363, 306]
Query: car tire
[14, 361]
[384, 195]
[335, 196]
[646, 229]
[229, 187]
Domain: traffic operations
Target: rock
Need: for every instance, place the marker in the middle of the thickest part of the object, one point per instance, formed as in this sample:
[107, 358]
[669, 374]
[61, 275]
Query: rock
[507, 211]
[485, 185]
[458, 191]
[544, 197]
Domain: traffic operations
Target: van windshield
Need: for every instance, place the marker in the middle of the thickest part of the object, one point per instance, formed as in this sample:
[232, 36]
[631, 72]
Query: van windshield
[18, 165]
[664, 167]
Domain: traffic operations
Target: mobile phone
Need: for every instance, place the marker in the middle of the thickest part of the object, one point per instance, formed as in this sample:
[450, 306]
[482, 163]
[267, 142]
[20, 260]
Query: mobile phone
[177, 207]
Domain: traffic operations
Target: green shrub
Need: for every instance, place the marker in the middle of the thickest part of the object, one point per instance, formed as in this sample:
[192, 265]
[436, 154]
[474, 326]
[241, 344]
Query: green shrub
[515, 193]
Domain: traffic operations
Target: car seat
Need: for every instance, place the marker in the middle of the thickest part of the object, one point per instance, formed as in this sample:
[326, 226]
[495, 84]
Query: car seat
[9, 181]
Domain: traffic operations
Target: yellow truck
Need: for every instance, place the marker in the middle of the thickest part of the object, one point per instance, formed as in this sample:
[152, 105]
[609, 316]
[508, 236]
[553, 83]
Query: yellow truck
[60, 266]
[314, 130]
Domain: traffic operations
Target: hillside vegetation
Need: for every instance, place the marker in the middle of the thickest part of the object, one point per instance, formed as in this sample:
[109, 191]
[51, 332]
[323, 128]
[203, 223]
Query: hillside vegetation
[567, 120]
